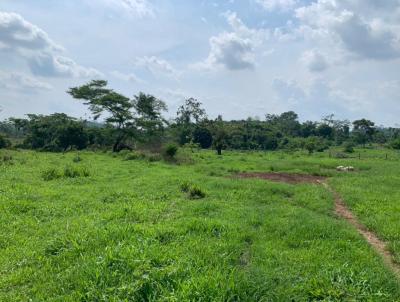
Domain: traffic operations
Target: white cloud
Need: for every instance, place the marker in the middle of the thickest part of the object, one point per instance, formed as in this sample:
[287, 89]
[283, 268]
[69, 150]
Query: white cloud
[140, 8]
[26, 41]
[314, 61]
[360, 34]
[131, 77]
[158, 67]
[271, 5]
[233, 50]
[16, 81]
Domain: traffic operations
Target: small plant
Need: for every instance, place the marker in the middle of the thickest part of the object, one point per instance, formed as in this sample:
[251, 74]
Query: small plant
[170, 151]
[51, 174]
[193, 191]
[185, 186]
[154, 157]
[74, 172]
[132, 156]
[77, 158]
[196, 192]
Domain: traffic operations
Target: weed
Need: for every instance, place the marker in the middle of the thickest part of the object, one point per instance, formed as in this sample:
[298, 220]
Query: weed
[51, 174]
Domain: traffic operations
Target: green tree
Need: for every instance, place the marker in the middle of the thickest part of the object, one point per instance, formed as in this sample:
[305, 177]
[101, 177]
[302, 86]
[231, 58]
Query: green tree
[189, 115]
[149, 120]
[219, 134]
[363, 130]
[102, 100]
[55, 132]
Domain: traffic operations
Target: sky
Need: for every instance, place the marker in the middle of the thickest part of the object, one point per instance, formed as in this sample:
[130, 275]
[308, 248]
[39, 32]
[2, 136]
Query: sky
[240, 58]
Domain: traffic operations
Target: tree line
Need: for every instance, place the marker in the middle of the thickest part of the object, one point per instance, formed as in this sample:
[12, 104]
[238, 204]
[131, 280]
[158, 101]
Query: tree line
[123, 123]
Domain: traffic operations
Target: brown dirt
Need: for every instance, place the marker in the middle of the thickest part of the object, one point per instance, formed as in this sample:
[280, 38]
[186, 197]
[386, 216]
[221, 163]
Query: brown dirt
[340, 208]
[285, 177]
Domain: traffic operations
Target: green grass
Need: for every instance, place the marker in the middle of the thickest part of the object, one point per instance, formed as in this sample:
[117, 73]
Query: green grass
[125, 231]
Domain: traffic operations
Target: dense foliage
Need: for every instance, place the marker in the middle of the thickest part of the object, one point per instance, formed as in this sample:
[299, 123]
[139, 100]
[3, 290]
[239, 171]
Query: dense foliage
[139, 123]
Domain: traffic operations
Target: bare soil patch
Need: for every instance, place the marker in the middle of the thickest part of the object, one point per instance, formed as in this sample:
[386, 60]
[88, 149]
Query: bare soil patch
[285, 177]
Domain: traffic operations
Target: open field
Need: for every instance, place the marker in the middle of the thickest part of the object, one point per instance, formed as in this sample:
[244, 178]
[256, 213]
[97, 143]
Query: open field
[103, 228]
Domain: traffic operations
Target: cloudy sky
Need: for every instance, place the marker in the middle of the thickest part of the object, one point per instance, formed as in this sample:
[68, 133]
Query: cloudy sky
[239, 57]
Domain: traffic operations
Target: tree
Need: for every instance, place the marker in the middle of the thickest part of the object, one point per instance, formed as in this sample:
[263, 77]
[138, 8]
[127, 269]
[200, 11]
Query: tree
[188, 116]
[287, 123]
[203, 137]
[55, 132]
[363, 131]
[149, 120]
[4, 143]
[219, 134]
[103, 100]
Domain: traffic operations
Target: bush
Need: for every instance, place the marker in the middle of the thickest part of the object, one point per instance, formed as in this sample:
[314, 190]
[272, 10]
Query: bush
[193, 191]
[395, 144]
[51, 174]
[4, 143]
[77, 158]
[154, 157]
[196, 192]
[348, 147]
[74, 172]
[185, 187]
[170, 151]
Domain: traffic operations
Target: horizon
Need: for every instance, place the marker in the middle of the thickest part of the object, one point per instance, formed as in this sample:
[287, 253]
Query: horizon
[239, 58]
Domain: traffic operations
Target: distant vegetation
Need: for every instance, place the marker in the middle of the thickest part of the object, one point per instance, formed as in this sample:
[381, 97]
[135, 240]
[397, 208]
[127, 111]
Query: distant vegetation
[122, 123]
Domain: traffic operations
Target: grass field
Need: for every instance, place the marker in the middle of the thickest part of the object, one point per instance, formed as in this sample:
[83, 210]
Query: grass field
[103, 228]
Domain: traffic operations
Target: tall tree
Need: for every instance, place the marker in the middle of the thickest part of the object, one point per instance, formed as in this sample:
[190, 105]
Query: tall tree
[118, 108]
[363, 130]
[149, 118]
[189, 116]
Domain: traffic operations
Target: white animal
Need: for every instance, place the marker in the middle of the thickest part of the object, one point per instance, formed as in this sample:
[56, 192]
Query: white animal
[345, 169]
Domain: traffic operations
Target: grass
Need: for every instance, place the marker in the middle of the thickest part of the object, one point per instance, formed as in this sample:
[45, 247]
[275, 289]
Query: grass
[126, 231]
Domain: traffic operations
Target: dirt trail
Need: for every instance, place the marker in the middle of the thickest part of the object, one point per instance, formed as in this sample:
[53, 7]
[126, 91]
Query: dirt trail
[378, 245]
[340, 208]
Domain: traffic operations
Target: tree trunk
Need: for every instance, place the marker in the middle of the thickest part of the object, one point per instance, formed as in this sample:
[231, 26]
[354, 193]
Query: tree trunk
[219, 150]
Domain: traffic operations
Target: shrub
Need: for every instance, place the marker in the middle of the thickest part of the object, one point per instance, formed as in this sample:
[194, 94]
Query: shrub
[170, 151]
[4, 143]
[348, 147]
[132, 156]
[196, 192]
[193, 191]
[154, 157]
[51, 174]
[74, 172]
[395, 144]
[77, 158]
[185, 186]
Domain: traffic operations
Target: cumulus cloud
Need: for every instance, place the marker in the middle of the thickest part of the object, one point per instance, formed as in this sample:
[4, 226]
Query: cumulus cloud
[314, 61]
[271, 5]
[158, 67]
[16, 81]
[362, 35]
[26, 41]
[233, 50]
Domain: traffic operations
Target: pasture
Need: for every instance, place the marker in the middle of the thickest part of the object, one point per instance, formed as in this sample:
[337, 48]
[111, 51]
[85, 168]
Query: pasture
[105, 227]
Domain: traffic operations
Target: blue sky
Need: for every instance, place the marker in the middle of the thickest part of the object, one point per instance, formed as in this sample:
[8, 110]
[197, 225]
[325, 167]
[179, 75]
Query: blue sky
[239, 57]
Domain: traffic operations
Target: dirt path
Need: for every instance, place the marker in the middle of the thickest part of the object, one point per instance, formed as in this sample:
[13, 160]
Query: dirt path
[340, 208]
[378, 245]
